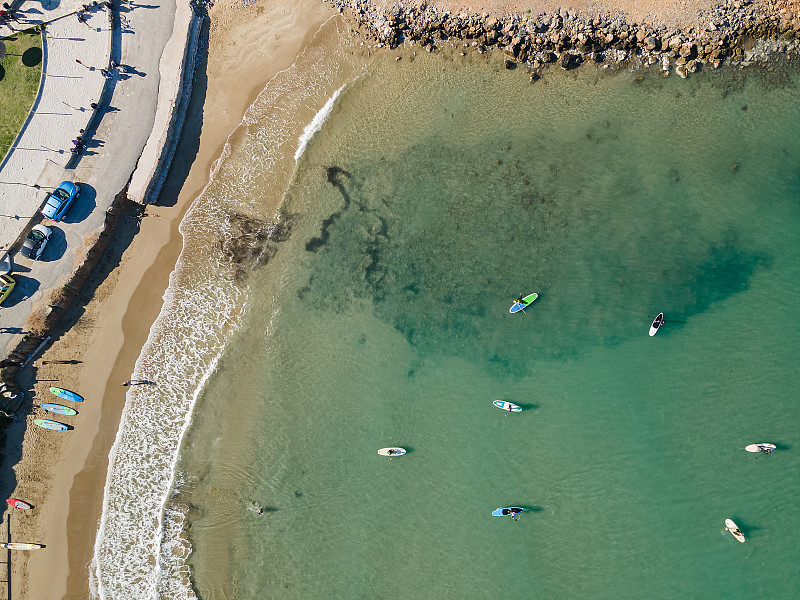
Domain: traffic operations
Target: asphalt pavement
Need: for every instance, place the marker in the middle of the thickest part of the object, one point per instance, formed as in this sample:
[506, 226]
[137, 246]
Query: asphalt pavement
[115, 133]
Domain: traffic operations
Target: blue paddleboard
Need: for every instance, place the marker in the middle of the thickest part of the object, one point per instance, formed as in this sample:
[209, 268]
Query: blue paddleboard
[526, 301]
[507, 511]
[59, 409]
[66, 394]
[48, 424]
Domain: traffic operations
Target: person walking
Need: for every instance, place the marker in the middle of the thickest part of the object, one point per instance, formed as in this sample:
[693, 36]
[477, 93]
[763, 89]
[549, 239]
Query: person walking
[135, 382]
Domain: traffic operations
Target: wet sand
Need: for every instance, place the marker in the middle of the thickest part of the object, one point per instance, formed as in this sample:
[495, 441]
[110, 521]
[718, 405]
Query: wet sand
[63, 474]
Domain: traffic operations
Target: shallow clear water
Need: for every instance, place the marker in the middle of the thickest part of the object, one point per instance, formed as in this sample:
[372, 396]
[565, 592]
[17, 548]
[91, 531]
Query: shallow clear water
[438, 191]
[433, 196]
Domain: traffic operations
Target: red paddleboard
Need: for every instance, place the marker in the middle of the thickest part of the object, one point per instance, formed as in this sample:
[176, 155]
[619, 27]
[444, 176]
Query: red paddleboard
[19, 504]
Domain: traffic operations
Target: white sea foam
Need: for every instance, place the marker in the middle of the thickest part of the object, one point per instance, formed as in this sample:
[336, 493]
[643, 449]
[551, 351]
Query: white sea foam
[141, 545]
[180, 354]
[316, 124]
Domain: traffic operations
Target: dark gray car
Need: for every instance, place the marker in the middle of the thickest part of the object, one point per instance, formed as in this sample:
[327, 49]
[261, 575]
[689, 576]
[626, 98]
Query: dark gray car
[34, 244]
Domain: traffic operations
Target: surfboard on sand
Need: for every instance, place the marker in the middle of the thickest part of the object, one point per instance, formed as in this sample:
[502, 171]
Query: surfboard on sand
[507, 406]
[734, 529]
[66, 394]
[19, 504]
[59, 409]
[763, 447]
[52, 425]
[20, 546]
[391, 452]
[656, 324]
[526, 301]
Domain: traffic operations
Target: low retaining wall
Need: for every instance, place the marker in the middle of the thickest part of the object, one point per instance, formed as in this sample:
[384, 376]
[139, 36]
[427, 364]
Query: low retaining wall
[176, 71]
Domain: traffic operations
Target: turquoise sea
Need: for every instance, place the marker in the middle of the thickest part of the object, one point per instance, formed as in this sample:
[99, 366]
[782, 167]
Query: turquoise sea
[438, 189]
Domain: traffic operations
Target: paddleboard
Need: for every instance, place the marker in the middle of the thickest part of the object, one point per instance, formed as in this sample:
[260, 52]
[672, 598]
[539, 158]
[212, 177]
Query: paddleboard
[20, 546]
[757, 447]
[66, 394]
[48, 424]
[391, 452]
[507, 511]
[734, 529]
[507, 406]
[19, 504]
[526, 301]
[657, 323]
[59, 409]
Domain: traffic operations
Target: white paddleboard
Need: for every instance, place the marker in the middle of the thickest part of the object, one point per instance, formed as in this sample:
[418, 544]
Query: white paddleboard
[758, 447]
[734, 529]
[507, 406]
[390, 452]
[656, 324]
[20, 545]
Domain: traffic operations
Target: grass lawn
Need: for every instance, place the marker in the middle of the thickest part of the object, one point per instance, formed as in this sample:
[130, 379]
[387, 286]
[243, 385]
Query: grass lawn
[19, 81]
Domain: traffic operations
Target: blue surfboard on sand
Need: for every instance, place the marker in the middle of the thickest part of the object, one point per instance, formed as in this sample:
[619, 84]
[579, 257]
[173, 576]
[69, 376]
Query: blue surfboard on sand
[59, 409]
[53, 425]
[66, 394]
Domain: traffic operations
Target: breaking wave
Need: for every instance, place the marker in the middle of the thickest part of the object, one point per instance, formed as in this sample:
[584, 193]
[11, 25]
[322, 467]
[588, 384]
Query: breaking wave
[316, 124]
[141, 546]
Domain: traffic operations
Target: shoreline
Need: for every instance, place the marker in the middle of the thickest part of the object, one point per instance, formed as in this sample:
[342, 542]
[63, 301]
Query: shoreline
[110, 330]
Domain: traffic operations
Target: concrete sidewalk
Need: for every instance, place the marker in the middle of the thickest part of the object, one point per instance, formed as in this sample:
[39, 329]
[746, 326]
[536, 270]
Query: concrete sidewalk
[117, 132]
[61, 109]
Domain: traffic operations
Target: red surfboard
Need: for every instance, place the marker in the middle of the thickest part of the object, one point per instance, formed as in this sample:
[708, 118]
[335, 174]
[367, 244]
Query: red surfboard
[19, 504]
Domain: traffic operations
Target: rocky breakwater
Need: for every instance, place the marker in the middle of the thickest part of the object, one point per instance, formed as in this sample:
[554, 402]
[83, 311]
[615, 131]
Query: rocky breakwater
[738, 32]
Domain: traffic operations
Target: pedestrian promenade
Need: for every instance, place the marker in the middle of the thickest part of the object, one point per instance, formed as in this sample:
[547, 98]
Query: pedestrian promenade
[155, 44]
[74, 52]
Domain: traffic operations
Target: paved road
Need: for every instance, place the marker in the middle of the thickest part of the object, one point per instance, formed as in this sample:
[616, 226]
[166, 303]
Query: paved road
[127, 118]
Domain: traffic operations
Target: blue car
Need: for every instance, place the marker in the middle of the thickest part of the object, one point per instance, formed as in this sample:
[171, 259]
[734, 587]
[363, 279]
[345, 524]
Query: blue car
[60, 199]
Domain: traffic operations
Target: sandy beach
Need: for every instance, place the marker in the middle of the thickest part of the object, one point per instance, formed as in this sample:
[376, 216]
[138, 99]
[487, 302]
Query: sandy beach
[64, 476]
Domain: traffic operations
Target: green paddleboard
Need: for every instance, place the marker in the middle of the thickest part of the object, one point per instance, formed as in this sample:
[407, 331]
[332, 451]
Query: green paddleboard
[65, 394]
[516, 307]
